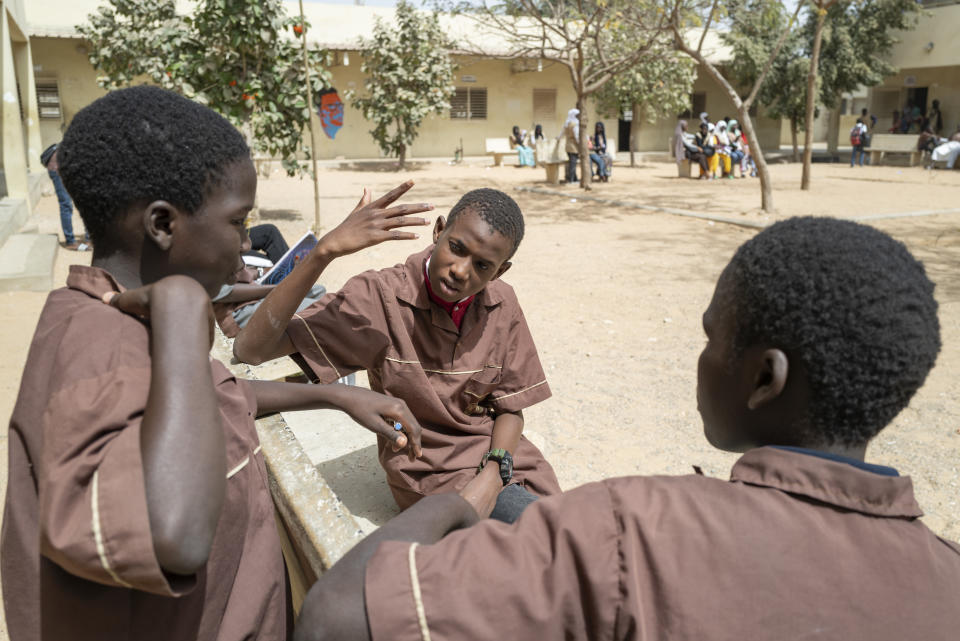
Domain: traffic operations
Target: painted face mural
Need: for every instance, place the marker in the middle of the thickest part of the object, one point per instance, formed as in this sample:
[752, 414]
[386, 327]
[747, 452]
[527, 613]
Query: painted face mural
[331, 112]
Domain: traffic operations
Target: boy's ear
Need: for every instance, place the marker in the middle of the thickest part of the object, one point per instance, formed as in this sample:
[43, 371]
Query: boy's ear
[770, 379]
[159, 221]
[503, 268]
[438, 228]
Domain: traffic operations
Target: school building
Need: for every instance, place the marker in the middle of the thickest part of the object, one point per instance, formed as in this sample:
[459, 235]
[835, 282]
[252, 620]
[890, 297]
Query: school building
[928, 59]
[492, 95]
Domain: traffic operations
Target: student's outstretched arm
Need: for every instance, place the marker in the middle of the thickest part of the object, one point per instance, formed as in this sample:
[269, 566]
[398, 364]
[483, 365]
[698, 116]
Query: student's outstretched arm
[376, 412]
[335, 607]
[370, 223]
[181, 438]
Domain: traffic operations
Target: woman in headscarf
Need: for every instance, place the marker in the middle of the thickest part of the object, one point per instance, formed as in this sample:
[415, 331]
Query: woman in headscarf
[598, 152]
[723, 149]
[520, 141]
[537, 134]
[571, 135]
[736, 148]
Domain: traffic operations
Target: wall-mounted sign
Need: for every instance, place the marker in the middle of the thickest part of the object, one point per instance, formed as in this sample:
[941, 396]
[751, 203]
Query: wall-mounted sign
[468, 78]
[909, 81]
[330, 111]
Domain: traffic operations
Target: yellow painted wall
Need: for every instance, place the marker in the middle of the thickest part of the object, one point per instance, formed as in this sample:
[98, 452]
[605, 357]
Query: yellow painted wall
[59, 59]
[940, 26]
[509, 103]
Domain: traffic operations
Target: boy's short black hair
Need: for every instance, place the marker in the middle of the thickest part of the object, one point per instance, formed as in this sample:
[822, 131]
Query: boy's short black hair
[856, 308]
[143, 144]
[497, 209]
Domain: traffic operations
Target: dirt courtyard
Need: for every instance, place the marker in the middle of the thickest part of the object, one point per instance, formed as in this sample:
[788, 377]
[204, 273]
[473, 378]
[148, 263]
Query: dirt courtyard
[614, 298]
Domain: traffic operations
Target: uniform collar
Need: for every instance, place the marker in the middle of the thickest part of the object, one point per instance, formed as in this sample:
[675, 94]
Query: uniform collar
[92, 281]
[414, 292]
[834, 482]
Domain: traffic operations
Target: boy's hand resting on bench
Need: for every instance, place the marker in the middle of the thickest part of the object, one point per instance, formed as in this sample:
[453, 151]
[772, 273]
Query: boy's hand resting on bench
[379, 413]
[374, 411]
[371, 223]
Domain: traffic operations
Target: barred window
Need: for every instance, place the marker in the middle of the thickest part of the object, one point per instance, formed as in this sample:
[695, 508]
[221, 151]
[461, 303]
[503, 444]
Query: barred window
[48, 101]
[469, 103]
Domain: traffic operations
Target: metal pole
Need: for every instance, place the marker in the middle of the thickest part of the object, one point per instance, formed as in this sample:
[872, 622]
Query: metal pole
[313, 135]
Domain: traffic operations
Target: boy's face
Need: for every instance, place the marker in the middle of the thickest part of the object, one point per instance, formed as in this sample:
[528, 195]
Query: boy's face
[207, 245]
[722, 391]
[469, 254]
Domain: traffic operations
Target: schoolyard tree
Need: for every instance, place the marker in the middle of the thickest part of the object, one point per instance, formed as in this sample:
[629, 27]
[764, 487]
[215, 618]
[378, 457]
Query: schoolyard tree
[856, 41]
[659, 83]
[239, 57]
[587, 37]
[707, 12]
[818, 9]
[754, 29]
[409, 76]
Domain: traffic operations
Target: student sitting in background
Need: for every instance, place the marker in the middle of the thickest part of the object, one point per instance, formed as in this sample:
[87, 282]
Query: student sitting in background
[444, 333]
[520, 141]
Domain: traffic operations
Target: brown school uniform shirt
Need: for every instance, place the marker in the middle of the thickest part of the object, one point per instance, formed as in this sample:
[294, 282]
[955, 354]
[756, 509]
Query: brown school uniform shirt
[384, 322]
[794, 546]
[77, 553]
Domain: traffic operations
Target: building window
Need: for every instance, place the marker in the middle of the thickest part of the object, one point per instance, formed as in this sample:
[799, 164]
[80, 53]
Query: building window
[544, 106]
[48, 101]
[469, 103]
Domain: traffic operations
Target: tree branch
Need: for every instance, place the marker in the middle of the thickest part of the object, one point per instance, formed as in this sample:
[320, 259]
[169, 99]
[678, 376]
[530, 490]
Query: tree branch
[773, 56]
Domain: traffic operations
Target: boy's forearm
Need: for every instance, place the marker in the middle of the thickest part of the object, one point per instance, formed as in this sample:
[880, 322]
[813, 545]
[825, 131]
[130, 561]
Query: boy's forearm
[507, 428]
[246, 292]
[275, 396]
[181, 440]
[334, 608]
[264, 337]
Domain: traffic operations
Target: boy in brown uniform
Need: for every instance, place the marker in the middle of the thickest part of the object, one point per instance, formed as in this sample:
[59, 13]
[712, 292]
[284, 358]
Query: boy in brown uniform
[138, 505]
[442, 332]
[819, 333]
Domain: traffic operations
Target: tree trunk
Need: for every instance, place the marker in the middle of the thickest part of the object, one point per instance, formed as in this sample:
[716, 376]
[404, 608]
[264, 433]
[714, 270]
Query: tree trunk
[634, 125]
[812, 97]
[402, 163]
[833, 131]
[743, 110]
[585, 174]
[766, 188]
[793, 139]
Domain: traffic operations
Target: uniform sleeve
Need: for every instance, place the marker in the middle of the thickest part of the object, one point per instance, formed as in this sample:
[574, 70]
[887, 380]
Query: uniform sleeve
[93, 509]
[522, 381]
[554, 574]
[342, 332]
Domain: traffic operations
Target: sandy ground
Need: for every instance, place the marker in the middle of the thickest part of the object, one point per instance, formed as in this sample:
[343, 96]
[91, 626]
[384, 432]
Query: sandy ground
[614, 298]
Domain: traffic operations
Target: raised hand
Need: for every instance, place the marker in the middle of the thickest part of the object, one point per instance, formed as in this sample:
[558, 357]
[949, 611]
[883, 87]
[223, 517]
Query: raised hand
[373, 222]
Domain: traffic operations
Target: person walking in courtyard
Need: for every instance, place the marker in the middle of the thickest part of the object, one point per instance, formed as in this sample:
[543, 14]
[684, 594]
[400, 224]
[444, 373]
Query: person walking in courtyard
[49, 160]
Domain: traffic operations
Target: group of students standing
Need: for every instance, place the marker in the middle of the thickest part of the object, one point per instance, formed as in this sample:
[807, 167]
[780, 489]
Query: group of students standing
[718, 148]
[601, 158]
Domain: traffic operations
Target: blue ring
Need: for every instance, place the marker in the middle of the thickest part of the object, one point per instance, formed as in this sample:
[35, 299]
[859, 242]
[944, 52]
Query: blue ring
[398, 426]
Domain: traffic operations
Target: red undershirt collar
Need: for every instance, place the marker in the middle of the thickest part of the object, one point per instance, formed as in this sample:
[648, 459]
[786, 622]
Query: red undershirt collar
[456, 310]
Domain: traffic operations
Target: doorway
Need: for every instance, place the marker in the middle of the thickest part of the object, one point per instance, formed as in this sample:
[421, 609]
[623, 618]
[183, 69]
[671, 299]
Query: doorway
[623, 135]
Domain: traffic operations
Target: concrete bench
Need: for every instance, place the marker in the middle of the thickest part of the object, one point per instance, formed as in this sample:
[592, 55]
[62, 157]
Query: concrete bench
[551, 156]
[498, 148]
[883, 144]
